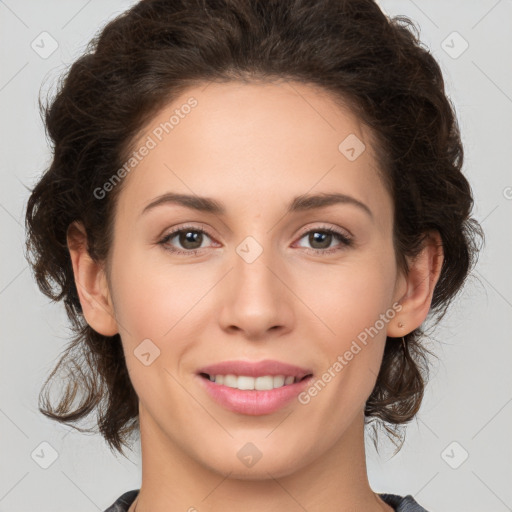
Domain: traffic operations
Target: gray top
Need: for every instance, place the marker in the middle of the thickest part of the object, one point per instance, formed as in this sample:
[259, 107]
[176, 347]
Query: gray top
[399, 503]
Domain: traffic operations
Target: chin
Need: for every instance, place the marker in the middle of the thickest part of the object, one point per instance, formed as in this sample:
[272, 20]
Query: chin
[258, 472]
[274, 462]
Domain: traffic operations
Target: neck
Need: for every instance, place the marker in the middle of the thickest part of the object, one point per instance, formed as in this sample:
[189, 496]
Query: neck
[335, 481]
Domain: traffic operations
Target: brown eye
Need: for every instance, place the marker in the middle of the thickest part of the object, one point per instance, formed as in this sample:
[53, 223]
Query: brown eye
[187, 240]
[190, 239]
[321, 240]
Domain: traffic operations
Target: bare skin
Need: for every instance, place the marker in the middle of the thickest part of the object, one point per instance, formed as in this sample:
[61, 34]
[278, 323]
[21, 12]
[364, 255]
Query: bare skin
[254, 148]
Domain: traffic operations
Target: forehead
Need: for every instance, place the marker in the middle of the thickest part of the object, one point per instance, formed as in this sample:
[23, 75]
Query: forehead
[253, 142]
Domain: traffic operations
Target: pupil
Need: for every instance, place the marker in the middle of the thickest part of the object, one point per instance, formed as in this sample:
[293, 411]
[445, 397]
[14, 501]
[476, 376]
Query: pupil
[325, 236]
[190, 237]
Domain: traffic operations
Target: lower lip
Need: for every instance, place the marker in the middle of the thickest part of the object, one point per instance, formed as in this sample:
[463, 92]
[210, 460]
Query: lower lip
[253, 402]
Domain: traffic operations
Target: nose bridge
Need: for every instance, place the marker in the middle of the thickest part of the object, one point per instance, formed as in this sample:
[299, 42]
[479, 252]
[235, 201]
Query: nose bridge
[253, 262]
[257, 300]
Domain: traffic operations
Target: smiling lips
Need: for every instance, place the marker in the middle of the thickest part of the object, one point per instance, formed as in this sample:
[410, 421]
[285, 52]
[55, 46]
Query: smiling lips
[253, 388]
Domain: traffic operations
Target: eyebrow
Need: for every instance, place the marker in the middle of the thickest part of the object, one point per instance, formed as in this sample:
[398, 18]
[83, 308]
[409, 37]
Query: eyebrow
[300, 203]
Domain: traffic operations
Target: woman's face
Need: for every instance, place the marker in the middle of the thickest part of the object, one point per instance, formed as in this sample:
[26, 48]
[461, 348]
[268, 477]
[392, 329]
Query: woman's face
[258, 279]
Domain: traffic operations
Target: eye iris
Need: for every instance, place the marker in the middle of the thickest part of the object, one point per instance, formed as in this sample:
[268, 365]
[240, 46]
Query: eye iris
[320, 237]
[193, 239]
[190, 237]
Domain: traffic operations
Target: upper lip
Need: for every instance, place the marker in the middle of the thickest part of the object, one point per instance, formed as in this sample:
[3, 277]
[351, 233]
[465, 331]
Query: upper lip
[255, 369]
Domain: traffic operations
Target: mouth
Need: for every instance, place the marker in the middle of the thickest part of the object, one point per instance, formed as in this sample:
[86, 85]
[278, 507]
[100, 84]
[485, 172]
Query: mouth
[249, 383]
[253, 388]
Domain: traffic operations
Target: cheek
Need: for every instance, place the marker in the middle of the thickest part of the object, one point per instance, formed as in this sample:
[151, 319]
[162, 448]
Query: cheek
[153, 300]
[353, 302]
[349, 297]
[351, 308]
[163, 303]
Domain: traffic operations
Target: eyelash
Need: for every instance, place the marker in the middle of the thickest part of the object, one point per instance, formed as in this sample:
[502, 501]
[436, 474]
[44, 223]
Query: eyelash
[345, 240]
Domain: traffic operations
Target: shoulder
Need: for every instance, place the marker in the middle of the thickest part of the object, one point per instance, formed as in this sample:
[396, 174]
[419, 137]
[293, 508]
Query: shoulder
[402, 503]
[122, 504]
[399, 503]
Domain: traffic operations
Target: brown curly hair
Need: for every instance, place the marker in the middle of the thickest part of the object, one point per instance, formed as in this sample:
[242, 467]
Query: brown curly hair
[157, 49]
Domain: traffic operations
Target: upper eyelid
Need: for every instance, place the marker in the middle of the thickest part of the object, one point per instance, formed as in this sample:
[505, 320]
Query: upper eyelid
[327, 227]
[304, 231]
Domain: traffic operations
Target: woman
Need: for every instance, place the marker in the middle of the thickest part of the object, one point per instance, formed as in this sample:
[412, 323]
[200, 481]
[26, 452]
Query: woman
[251, 210]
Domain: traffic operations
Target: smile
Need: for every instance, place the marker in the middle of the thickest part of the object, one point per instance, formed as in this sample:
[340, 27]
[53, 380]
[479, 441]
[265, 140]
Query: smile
[248, 383]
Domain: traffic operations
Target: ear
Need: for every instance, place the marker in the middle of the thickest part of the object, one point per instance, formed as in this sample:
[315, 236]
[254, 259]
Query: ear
[415, 290]
[91, 283]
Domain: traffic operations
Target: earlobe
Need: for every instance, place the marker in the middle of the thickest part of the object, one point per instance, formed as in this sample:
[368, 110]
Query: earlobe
[421, 279]
[91, 283]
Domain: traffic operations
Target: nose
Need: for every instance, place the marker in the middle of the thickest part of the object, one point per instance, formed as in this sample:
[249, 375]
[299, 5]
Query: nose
[255, 298]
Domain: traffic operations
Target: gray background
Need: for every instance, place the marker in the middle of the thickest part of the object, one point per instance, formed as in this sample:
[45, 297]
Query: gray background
[468, 401]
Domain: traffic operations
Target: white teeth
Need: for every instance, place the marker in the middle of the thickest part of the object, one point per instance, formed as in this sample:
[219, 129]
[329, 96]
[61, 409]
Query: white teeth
[231, 381]
[264, 383]
[279, 381]
[244, 382]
